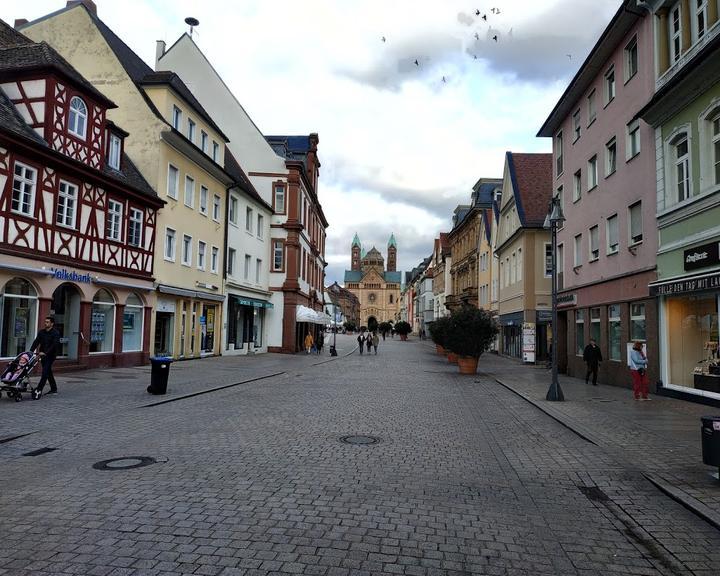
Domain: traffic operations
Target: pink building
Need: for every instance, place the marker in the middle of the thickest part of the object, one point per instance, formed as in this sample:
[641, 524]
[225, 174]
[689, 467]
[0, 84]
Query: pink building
[604, 172]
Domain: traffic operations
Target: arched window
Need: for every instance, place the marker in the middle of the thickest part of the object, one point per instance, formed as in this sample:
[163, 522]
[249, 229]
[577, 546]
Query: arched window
[102, 322]
[132, 327]
[18, 317]
[77, 121]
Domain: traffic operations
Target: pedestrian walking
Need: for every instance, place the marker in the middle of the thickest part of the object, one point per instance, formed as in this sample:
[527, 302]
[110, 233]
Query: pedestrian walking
[368, 342]
[46, 344]
[309, 342]
[375, 341]
[592, 356]
[638, 370]
[361, 342]
[320, 342]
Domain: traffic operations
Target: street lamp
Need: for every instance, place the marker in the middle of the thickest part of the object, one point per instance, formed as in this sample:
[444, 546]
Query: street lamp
[553, 219]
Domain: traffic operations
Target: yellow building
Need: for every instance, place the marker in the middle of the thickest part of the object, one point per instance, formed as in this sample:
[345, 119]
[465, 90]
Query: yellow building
[180, 152]
[377, 289]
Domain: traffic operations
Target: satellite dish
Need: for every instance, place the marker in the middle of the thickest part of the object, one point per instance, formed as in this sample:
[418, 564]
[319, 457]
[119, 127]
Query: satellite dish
[192, 22]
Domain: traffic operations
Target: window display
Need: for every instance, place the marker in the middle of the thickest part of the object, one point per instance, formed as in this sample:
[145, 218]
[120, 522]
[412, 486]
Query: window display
[18, 317]
[102, 322]
[132, 324]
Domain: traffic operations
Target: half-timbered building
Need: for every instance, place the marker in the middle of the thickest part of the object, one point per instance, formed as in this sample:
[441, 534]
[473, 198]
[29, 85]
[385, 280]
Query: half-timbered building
[77, 220]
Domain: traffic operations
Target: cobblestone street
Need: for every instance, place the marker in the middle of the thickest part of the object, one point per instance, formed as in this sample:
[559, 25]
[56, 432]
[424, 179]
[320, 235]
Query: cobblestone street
[467, 477]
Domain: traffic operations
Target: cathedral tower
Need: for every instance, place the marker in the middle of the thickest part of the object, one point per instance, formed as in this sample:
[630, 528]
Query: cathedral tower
[392, 254]
[355, 259]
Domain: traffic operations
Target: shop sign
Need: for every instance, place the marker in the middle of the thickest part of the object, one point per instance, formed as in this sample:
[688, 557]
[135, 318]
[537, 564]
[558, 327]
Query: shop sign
[566, 300]
[71, 276]
[702, 256]
[544, 316]
[686, 285]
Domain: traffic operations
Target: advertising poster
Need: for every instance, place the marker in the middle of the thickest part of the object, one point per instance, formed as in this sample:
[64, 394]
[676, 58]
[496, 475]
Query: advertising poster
[528, 342]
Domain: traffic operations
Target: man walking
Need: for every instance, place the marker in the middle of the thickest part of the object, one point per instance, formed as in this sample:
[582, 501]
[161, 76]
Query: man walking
[46, 344]
[592, 356]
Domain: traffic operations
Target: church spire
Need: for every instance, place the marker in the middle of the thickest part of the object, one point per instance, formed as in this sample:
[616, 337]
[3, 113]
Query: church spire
[392, 241]
[392, 254]
[356, 240]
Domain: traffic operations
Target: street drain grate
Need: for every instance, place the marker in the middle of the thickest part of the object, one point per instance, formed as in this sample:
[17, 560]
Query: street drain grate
[124, 463]
[39, 451]
[602, 399]
[594, 493]
[359, 440]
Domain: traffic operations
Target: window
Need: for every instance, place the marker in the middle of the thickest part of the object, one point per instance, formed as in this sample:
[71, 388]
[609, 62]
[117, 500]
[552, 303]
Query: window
[610, 85]
[560, 263]
[675, 34]
[279, 198]
[610, 157]
[577, 186]
[189, 192]
[580, 332]
[592, 173]
[216, 151]
[114, 152]
[558, 154]
[513, 269]
[203, 200]
[77, 118]
[701, 9]
[173, 178]
[548, 260]
[594, 243]
[576, 125]
[187, 250]
[133, 315]
[216, 208]
[258, 268]
[102, 322]
[248, 260]
[66, 204]
[595, 324]
[201, 255]
[681, 164]
[170, 244]
[191, 130]
[591, 107]
[612, 234]
[214, 253]
[230, 261]
[614, 333]
[135, 227]
[114, 220]
[636, 234]
[203, 141]
[260, 225]
[232, 209]
[633, 140]
[578, 251]
[637, 322]
[278, 256]
[176, 118]
[631, 59]
[715, 135]
[23, 194]
[249, 219]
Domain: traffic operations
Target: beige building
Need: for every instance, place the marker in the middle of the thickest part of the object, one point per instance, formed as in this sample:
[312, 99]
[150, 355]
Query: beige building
[179, 150]
[522, 247]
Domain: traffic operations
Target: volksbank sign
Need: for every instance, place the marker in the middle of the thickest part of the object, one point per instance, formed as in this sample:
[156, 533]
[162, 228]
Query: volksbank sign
[71, 276]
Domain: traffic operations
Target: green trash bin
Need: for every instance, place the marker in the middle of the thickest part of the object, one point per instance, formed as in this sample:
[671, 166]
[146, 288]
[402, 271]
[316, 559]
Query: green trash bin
[159, 374]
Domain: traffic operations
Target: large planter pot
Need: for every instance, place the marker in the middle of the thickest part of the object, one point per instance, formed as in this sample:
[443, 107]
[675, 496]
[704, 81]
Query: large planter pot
[467, 364]
[452, 357]
[440, 349]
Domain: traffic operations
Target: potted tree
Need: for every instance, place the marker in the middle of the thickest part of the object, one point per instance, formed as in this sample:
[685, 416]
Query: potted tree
[384, 328]
[403, 328]
[438, 332]
[470, 333]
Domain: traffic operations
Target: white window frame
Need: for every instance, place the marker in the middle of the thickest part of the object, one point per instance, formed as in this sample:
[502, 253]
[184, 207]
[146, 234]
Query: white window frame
[637, 317]
[592, 106]
[215, 151]
[559, 167]
[634, 239]
[700, 21]
[560, 265]
[610, 83]
[191, 190]
[614, 317]
[260, 226]
[592, 173]
[176, 118]
[214, 254]
[675, 30]
[216, 207]
[23, 191]
[67, 204]
[631, 59]
[577, 186]
[233, 210]
[680, 168]
[611, 157]
[632, 147]
[560, 195]
[187, 250]
[203, 141]
[246, 269]
[249, 219]
[114, 220]
[610, 246]
[258, 269]
[230, 264]
[78, 117]
[278, 250]
[593, 243]
[191, 126]
[171, 234]
[114, 151]
[577, 129]
[279, 193]
[202, 247]
[714, 131]
[172, 191]
[136, 221]
[577, 256]
[203, 200]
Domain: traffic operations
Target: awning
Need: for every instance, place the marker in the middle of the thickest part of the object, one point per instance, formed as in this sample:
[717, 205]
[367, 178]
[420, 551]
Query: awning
[305, 314]
[165, 289]
[244, 301]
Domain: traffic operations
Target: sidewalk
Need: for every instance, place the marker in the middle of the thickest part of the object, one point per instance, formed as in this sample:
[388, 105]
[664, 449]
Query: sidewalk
[660, 438]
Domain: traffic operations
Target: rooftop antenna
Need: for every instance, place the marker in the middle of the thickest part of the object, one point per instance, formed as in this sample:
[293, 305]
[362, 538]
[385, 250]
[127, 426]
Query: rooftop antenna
[192, 22]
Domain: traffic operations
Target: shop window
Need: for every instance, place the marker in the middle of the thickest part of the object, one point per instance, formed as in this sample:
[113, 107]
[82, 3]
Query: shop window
[102, 322]
[579, 332]
[133, 316]
[18, 317]
[637, 322]
[614, 333]
[193, 325]
[595, 324]
[207, 329]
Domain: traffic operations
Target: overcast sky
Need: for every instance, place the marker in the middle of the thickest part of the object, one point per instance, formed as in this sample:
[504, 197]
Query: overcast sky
[400, 144]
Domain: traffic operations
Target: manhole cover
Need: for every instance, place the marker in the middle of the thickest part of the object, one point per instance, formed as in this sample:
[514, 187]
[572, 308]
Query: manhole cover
[359, 439]
[124, 463]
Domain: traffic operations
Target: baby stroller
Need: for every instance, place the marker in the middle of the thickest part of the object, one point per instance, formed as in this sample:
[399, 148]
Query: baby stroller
[15, 378]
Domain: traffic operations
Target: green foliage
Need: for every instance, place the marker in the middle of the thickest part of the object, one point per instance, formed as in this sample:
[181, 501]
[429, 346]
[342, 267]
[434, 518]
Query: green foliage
[439, 330]
[350, 326]
[385, 327]
[403, 328]
[471, 332]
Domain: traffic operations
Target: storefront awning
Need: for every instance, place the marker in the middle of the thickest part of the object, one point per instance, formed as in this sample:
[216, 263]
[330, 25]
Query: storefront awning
[164, 289]
[305, 314]
[244, 301]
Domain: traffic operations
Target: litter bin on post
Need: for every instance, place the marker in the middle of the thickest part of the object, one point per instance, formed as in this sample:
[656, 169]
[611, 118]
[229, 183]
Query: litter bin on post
[711, 441]
[159, 374]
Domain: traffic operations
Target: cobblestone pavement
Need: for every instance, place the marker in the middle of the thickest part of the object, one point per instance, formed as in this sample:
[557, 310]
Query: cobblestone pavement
[468, 477]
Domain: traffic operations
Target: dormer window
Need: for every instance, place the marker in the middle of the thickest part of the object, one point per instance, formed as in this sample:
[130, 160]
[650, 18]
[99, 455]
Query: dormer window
[191, 130]
[77, 121]
[114, 151]
[176, 117]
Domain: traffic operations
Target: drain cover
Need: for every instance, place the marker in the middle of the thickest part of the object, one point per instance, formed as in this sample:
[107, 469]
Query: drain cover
[124, 463]
[359, 439]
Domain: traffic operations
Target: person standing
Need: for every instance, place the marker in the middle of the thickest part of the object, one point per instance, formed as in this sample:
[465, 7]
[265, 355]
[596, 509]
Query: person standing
[592, 356]
[309, 342]
[375, 341]
[46, 344]
[638, 371]
[361, 342]
[368, 342]
[320, 342]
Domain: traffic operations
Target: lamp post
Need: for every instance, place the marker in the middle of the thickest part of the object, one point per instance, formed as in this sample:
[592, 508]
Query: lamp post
[554, 218]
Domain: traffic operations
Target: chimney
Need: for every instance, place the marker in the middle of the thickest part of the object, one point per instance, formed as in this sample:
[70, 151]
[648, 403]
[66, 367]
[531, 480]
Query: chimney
[89, 4]
[159, 51]
[19, 22]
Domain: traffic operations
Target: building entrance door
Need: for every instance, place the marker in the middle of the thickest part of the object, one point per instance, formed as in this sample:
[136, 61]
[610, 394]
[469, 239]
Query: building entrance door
[65, 310]
[164, 333]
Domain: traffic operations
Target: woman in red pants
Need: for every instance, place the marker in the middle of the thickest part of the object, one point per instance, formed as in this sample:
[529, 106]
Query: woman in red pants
[638, 371]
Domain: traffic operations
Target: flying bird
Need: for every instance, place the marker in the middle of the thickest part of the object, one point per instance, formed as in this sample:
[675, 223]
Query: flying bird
[484, 17]
[495, 37]
[416, 62]
[495, 10]
[477, 12]
[383, 39]
[477, 36]
[445, 81]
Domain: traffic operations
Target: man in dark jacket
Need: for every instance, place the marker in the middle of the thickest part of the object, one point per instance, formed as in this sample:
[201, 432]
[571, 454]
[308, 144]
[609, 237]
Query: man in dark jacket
[47, 344]
[592, 356]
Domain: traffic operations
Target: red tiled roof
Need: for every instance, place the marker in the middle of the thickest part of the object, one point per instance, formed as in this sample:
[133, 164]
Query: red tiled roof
[532, 179]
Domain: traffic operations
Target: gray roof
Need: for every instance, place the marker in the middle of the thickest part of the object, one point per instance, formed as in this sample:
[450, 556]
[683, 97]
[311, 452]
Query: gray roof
[233, 168]
[11, 37]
